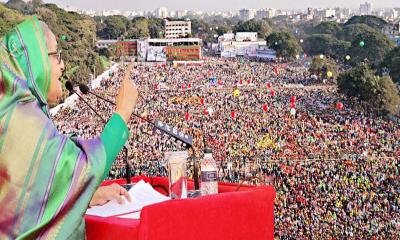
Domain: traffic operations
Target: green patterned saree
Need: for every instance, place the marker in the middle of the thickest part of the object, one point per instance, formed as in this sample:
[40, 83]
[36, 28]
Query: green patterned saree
[46, 179]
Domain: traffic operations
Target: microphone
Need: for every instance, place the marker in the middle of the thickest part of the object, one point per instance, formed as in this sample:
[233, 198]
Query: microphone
[70, 87]
[164, 128]
[85, 90]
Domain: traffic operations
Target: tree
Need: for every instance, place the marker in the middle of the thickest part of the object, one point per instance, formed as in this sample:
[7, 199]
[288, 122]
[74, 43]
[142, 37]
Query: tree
[362, 83]
[371, 47]
[261, 27]
[392, 63]
[372, 21]
[389, 99]
[285, 44]
[8, 19]
[76, 35]
[326, 44]
[222, 29]
[17, 5]
[115, 27]
[156, 27]
[349, 32]
[322, 66]
[139, 28]
[327, 28]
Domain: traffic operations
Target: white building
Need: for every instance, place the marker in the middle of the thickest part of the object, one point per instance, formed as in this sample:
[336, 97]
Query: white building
[247, 14]
[161, 12]
[177, 29]
[326, 13]
[366, 8]
[265, 13]
[181, 13]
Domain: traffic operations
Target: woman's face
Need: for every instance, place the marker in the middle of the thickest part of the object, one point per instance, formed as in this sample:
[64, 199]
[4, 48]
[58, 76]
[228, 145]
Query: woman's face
[57, 68]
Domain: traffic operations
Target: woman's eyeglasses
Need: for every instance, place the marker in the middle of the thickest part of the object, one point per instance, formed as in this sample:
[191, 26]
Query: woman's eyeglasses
[57, 54]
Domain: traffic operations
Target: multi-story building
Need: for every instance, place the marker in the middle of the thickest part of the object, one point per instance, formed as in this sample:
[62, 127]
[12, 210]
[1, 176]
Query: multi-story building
[181, 13]
[366, 8]
[247, 14]
[177, 29]
[161, 12]
[261, 13]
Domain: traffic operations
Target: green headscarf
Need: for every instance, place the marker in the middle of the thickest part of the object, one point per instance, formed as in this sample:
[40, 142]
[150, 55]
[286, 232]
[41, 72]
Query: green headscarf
[46, 179]
[24, 55]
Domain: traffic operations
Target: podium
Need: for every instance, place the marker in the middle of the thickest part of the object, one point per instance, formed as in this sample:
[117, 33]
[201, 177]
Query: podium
[244, 214]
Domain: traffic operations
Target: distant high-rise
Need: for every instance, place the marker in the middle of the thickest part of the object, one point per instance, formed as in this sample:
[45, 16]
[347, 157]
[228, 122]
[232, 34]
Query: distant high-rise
[265, 13]
[181, 13]
[247, 14]
[366, 8]
[161, 12]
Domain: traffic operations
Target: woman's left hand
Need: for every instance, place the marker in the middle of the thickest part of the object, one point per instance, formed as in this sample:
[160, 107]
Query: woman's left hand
[107, 193]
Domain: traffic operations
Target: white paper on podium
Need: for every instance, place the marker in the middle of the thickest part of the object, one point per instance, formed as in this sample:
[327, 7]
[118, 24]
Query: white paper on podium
[135, 215]
[142, 195]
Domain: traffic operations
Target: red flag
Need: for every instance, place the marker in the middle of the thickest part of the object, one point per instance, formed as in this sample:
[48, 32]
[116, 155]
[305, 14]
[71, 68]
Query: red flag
[187, 117]
[276, 70]
[205, 111]
[272, 93]
[189, 85]
[202, 101]
[233, 114]
[156, 86]
[292, 105]
[241, 81]
[183, 86]
[269, 85]
[293, 99]
[248, 81]
[219, 82]
[265, 107]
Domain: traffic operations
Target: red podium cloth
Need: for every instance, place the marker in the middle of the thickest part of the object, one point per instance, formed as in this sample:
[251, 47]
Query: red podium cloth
[248, 214]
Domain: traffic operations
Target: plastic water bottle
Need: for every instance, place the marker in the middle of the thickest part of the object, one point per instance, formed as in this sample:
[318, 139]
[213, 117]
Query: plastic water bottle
[209, 177]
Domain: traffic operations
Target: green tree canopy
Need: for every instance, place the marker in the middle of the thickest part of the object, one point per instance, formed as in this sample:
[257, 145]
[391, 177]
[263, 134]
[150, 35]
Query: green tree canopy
[261, 27]
[139, 28]
[322, 66]
[392, 63]
[373, 50]
[113, 27]
[156, 27]
[362, 83]
[285, 44]
[78, 44]
[327, 28]
[326, 44]
[349, 32]
[8, 19]
[17, 5]
[372, 21]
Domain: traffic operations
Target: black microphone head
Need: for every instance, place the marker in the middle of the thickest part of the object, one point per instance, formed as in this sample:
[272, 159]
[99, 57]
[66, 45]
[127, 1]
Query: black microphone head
[69, 86]
[83, 88]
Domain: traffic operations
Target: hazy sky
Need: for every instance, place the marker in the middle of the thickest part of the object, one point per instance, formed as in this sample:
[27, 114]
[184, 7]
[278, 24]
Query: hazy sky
[217, 5]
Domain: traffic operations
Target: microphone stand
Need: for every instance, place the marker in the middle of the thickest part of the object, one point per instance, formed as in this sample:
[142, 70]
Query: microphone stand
[102, 119]
[189, 145]
[128, 169]
[128, 184]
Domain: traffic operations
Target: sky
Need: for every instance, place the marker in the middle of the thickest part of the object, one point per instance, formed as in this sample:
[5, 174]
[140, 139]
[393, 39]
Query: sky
[216, 5]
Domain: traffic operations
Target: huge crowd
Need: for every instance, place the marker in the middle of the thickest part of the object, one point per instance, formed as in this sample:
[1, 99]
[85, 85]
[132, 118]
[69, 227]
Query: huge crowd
[336, 171]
